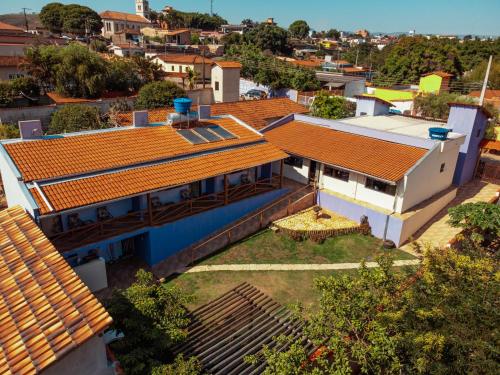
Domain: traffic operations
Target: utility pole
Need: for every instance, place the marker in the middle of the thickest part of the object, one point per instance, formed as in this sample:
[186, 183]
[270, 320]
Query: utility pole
[26, 18]
[212, 7]
[485, 83]
[203, 66]
[357, 55]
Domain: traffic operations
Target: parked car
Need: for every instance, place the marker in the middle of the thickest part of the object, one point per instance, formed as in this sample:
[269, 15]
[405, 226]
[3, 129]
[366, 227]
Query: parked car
[254, 94]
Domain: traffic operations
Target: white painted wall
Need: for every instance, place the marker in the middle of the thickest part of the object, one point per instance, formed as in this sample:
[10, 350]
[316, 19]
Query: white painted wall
[16, 192]
[300, 175]
[93, 274]
[426, 180]
[87, 359]
[229, 84]
[343, 187]
[183, 68]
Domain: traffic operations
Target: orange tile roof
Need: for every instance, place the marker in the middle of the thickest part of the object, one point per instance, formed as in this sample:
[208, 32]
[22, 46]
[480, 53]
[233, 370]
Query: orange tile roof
[306, 63]
[374, 157]
[45, 309]
[121, 16]
[79, 154]
[77, 193]
[229, 64]
[184, 59]
[11, 60]
[9, 27]
[255, 113]
[490, 94]
[439, 73]
[489, 144]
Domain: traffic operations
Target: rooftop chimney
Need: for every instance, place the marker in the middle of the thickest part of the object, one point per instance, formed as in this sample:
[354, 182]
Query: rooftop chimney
[470, 120]
[31, 129]
[372, 106]
[140, 118]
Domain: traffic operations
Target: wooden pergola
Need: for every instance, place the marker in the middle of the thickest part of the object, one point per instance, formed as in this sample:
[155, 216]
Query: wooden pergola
[237, 324]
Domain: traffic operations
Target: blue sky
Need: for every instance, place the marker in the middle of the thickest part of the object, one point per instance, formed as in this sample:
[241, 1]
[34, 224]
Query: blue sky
[425, 16]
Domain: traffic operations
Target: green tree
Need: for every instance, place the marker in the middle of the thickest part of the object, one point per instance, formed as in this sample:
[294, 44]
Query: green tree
[333, 33]
[40, 63]
[436, 106]
[479, 72]
[6, 96]
[75, 118]
[269, 37]
[180, 366]
[97, 45]
[9, 131]
[147, 70]
[480, 222]
[158, 94]
[152, 318]
[51, 17]
[332, 107]
[299, 29]
[26, 85]
[80, 73]
[123, 75]
[80, 19]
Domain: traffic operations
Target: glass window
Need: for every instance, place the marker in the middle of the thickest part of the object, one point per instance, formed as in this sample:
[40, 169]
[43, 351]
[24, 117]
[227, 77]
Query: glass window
[294, 161]
[380, 186]
[442, 167]
[336, 173]
[216, 85]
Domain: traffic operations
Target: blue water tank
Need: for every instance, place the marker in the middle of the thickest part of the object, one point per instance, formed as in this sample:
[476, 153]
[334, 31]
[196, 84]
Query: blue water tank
[182, 105]
[440, 134]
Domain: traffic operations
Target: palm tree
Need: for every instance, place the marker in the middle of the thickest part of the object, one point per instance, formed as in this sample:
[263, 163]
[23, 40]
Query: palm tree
[192, 78]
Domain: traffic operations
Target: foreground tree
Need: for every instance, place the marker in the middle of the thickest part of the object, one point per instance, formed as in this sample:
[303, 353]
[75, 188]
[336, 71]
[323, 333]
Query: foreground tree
[332, 107]
[152, 318]
[158, 94]
[436, 106]
[299, 29]
[9, 131]
[40, 63]
[75, 118]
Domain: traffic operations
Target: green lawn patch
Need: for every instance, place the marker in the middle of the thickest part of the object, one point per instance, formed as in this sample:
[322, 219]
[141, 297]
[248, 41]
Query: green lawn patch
[267, 247]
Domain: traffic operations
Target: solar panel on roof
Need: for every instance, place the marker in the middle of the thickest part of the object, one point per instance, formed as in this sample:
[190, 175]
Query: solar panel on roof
[221, 132]
[191, 137]
[207, 134]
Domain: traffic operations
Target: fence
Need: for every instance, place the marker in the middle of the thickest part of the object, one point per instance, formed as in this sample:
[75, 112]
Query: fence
[251, 224]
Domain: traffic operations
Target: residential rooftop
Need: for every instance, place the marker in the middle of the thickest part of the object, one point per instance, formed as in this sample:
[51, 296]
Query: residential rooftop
[45, 309]
[121, 16]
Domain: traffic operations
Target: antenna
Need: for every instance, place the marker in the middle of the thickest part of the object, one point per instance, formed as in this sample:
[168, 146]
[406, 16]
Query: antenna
[25, 18]
[211, 7]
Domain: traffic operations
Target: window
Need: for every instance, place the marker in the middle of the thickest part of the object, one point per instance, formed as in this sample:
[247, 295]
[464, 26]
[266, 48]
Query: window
[108, 26]
[441, 170]
[216, 85]
[294, 161]
[336, 173]
[380, 186]
[180, 69]
[15, 75]
[187, 69]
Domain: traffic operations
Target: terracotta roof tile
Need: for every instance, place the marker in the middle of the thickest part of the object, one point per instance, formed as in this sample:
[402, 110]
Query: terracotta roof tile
[121, 16]
[9, 27]
[229, 64]
[184, 59]
[11, 61]
[45, 309]
[439, 73]
[374, 157]
[74, 155]
[91, 190]
[256, 113]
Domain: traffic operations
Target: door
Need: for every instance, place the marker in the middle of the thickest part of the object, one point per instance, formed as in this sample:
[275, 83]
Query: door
[195, 189]
[265, 171]
[210, 185]
[128, 247]
[312, 171]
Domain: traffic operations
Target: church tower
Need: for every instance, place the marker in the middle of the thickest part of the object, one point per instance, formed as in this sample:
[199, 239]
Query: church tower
[142, 8]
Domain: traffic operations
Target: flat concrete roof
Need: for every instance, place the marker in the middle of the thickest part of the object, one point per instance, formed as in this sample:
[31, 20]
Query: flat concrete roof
[411, 126]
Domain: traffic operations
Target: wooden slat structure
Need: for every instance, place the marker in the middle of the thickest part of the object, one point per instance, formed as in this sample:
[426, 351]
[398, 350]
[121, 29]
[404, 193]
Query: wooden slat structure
[237, 324]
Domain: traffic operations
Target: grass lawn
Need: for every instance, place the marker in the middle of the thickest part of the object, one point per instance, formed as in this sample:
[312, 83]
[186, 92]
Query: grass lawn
[272, 248]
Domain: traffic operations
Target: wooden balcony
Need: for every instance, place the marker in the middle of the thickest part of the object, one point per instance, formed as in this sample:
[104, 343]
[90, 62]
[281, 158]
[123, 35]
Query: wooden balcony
[99, 231]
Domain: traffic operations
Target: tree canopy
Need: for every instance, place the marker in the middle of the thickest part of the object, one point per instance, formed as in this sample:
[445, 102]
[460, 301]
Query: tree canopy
[71, 18]
[332, 107]
[195, 20]
[436, 105]
[269, 37]
[74, 118]
[299, 29]
[158, 94]
[9, 131]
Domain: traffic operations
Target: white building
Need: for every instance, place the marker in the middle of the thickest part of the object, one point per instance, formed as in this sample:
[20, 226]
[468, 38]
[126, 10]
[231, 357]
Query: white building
[226, 81]
[114, 22]
[142, 8]
[177, 63]
[380, 165]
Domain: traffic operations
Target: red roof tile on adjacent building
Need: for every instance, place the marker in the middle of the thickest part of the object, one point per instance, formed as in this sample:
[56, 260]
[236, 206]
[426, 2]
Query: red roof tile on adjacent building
[439, 73]
[229, 64]
[121, 16]
[184, 59]
[9, 27]
[10, 61]
[374, 157]
[45, 309]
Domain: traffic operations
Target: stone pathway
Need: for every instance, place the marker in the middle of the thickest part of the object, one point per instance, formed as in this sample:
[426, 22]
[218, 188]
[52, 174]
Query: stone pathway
[293, 267]
[437, 232]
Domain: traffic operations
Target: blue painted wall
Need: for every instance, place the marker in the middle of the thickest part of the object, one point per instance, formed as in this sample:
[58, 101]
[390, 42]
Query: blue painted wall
[471, 122]
[353, 211]
[171, 238]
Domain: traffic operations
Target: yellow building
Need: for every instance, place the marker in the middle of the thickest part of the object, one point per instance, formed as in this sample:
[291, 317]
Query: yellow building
[435, 82]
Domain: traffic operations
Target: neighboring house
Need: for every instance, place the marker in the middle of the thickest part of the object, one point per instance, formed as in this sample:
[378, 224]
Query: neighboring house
[342, 85]
[256, 113]
[226, 81]
[51, 322]
[9, 67]
[435, 82]
[227, 29]
[177, 63]
[127, 50]
[179, 37]
[7, 29]
[114, 22]
[15, 45]
[402, 100]
[149, 190]
[380, 165]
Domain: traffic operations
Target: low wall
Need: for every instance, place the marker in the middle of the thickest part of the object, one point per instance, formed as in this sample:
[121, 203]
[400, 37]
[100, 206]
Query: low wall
[322, 235]
[235, 232]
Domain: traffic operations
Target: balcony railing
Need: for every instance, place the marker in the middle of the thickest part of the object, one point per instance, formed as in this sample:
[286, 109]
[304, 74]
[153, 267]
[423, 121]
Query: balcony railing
[157, 216]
